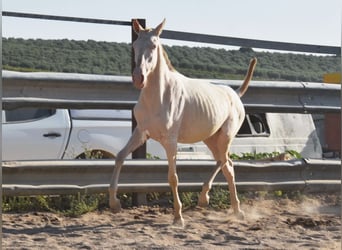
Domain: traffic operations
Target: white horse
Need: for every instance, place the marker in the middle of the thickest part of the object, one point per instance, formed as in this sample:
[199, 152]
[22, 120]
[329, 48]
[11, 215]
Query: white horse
[173, 108]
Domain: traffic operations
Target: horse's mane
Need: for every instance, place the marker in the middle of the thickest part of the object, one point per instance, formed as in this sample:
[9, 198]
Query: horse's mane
[167, 60]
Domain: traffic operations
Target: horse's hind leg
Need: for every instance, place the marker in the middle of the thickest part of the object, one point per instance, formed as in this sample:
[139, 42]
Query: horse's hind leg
[203, 199]
[224, 142]
[219, 144]
[228, 172]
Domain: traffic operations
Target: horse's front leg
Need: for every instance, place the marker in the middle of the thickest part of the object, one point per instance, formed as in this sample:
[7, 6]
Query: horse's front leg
[171, 152]
[137, 139]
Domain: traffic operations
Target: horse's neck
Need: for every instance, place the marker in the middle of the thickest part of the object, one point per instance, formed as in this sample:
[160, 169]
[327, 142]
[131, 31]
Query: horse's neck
[158, 83]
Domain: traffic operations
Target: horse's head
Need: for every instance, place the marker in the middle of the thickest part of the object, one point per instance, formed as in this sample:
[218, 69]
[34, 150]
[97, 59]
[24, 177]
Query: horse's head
[145, 51]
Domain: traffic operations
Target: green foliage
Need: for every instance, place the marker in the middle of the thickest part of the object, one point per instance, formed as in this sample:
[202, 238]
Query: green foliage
[152, 157]
[67, 56]
[91, 154]
[68, 205]
[115, 59]
[260, 156]
[253, 156]
[189, 199]
[219, 198]
[294, 154]
[24, 204]
[73, 205]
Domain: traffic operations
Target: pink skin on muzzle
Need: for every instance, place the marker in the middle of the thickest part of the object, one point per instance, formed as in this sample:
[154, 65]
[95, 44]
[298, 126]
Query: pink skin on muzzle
[138, 78]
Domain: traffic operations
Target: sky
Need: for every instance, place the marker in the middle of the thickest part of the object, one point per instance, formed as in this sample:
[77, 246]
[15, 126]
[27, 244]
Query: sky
[298, 21]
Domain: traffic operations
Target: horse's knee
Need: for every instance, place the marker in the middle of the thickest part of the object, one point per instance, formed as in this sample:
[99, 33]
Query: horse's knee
[173, 180]
[228, 170]
[206, 187]
[120, 157]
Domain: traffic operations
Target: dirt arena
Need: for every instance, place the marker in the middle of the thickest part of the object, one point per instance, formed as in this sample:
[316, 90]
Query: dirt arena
[312, 223]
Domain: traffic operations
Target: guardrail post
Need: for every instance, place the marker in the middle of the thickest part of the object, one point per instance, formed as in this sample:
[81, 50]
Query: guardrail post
[139, 153]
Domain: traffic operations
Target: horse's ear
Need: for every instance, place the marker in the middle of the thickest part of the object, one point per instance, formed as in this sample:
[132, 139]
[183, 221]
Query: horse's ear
[136, 26]
[159, 28]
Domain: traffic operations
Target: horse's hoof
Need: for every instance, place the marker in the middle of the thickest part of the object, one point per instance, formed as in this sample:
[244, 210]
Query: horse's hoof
[178, 222]
[114, 205]
[240, 215]
[203, 201]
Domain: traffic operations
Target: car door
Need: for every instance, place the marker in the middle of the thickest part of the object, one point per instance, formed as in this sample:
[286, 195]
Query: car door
[34, 133]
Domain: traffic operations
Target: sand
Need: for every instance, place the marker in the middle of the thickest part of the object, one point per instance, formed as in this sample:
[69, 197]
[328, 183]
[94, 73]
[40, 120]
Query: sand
[311, 223]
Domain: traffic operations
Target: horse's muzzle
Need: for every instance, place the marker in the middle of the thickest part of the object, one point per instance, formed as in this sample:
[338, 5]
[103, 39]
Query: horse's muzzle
[138, 78]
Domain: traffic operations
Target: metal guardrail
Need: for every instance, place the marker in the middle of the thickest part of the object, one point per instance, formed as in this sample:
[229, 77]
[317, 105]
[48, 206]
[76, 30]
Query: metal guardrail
[66, 90]
[65, 18]
[195, 37]
[250, 43]
[92, 176]
[61, 90]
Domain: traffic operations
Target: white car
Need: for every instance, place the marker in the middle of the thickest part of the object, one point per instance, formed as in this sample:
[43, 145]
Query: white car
[42, 134]
[45, 134]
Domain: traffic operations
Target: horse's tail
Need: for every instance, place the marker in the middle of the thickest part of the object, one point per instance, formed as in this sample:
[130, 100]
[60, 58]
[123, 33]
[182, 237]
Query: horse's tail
[243, 88]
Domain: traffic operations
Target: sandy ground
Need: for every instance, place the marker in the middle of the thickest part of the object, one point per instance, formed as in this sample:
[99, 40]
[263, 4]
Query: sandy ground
[313, 223]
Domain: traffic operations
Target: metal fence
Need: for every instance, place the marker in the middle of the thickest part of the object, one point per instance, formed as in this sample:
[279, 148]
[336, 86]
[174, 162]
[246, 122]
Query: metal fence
[66, 90]
[195, 37]
[93, 91]
[141, 176]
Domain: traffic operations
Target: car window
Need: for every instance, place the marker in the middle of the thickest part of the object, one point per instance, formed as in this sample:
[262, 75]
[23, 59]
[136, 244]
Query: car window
[254, 125]
[27, 114]
[103, 114]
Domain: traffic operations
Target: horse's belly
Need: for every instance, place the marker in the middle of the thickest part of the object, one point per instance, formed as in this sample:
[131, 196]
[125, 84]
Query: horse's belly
[202, 117]
[194, 136]
[194, 130]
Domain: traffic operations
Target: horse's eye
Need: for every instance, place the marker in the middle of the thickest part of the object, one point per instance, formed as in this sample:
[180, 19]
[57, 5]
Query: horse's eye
[153, 43]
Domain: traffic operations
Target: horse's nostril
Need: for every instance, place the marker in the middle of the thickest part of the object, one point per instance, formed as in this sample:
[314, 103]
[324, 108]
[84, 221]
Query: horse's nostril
[138, 80]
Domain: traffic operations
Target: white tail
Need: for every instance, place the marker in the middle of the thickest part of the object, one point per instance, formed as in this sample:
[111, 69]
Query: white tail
[243, 88]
